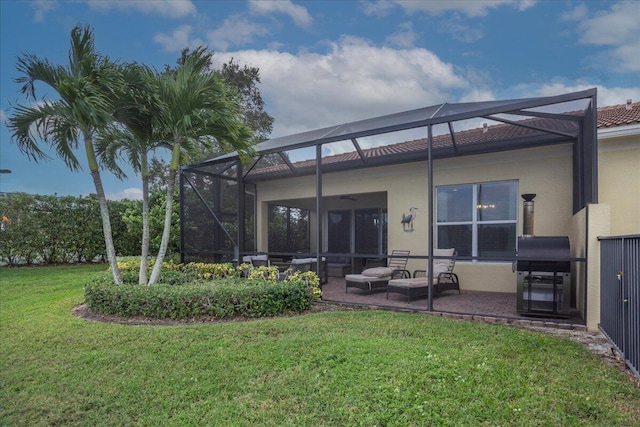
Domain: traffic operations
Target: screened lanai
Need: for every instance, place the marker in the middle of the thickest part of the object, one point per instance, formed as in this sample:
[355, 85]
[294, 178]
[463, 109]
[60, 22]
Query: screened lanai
[224, 215]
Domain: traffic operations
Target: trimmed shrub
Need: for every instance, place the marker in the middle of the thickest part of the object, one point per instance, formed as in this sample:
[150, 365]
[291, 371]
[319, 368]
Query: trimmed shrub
[223, 299]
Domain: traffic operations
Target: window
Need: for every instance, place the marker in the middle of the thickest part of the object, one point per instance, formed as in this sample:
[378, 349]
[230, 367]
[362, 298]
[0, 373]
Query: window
[478, 220]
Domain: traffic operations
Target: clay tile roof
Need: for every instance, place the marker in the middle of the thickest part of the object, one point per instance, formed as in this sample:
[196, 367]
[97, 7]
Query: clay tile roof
[619, 115]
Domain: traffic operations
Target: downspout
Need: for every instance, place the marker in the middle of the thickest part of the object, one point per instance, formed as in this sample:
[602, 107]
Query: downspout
[430, 214]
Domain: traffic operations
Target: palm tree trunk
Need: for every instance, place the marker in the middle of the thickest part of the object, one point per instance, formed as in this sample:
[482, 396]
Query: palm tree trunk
[155, 274]
[106, 228]
[104, 208]
[144, 252]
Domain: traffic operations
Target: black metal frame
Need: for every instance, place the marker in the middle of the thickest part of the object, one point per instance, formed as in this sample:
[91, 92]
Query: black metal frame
[545, 126]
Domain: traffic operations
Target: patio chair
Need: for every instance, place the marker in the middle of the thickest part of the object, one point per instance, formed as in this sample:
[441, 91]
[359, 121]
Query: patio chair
[257, 260]
[444, 278]
[303, 265]
[338, 266]
[378, 277]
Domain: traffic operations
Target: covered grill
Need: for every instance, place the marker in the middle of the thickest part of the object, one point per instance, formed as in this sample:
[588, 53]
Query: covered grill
[544, 272]
[544, 284]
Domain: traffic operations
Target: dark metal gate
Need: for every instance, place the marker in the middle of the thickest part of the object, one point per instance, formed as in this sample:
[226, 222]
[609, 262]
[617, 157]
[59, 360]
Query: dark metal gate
[620, 296]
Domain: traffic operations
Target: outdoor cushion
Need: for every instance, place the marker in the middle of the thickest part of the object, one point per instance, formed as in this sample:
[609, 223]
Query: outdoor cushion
[442, 262]
[306, 260]
[250, 258]
[417, 282]
[442, 265]
[378, 272]
[361, 278]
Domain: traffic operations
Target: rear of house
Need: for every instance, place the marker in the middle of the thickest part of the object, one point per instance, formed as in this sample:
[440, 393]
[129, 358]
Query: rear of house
[367, 210]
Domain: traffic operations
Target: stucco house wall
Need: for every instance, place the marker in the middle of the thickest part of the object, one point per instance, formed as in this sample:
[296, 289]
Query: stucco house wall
[546, 171]
[619, 177]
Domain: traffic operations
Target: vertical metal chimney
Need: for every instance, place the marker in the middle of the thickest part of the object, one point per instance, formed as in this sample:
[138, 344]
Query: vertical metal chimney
[527, 215]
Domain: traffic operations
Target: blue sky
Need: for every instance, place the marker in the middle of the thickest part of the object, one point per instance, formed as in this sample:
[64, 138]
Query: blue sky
[325, 63]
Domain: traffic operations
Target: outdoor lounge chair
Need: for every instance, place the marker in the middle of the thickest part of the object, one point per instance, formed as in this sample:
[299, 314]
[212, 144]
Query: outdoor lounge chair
[378, 277]
[444, 278]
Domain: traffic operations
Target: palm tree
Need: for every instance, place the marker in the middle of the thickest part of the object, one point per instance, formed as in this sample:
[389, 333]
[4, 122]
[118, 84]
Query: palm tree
[86, 88]
[132, 136]
[199, 111]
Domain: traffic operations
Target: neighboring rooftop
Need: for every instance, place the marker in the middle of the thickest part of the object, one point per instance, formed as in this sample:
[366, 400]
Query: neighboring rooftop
[619, 115]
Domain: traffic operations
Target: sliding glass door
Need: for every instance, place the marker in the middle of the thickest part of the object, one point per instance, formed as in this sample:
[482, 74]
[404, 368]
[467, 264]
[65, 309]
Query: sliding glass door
[360, 231]
[339, 232]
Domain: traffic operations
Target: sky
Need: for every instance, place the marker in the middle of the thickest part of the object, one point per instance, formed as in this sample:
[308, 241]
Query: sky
[324, 63]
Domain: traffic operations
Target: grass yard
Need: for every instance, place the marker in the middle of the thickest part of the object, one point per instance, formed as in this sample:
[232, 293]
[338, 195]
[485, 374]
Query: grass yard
[339, 368]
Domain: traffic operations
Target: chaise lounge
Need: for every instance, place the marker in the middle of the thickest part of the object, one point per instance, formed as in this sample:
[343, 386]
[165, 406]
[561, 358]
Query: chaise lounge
[444, 278]
[378, 277]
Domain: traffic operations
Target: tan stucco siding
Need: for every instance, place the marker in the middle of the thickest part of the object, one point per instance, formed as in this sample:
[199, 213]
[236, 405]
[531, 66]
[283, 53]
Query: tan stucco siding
[545, 171]
[619, 182]
[598, 224]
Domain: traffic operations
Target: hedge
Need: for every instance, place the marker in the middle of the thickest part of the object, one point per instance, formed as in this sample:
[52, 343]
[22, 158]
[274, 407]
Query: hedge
[51, 230]
[223, 299]
[194, 290]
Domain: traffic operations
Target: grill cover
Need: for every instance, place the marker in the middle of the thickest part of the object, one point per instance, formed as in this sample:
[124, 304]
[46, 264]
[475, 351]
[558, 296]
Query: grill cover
[548, 249]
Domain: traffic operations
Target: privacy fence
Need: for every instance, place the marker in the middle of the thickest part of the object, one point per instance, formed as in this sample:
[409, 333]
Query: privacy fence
[620, 296]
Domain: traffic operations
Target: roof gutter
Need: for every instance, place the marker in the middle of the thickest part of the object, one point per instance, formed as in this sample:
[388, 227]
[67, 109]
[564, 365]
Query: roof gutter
[618, 131]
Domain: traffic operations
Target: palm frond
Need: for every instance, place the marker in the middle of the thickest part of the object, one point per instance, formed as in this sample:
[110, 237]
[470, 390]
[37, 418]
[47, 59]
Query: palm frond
[53, 123]
[33, 70]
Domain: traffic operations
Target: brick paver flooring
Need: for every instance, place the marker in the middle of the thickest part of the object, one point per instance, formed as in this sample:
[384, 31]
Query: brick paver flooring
[494, 307]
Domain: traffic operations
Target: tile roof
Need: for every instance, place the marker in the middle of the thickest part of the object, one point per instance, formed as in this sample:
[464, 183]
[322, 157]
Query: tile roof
[617, 115]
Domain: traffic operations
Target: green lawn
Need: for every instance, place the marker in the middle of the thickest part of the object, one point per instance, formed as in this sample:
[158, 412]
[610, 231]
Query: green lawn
[333, 368]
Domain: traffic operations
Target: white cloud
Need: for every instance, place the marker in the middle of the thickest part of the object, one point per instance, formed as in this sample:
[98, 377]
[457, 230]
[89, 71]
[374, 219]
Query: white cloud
[616, 28]
[469, 8]
[459, 31]
[127, 193]
[576, 14]
[405, 37]
[377, 8]
[41, 8]
[166, 8]
[353, 80]
[177, 40]
[477, 95]
[299, 14]
[235, 31]
[3, 116]
[607, 96]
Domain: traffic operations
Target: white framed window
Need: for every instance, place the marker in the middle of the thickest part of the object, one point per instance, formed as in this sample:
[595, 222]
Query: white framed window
[479, 220]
